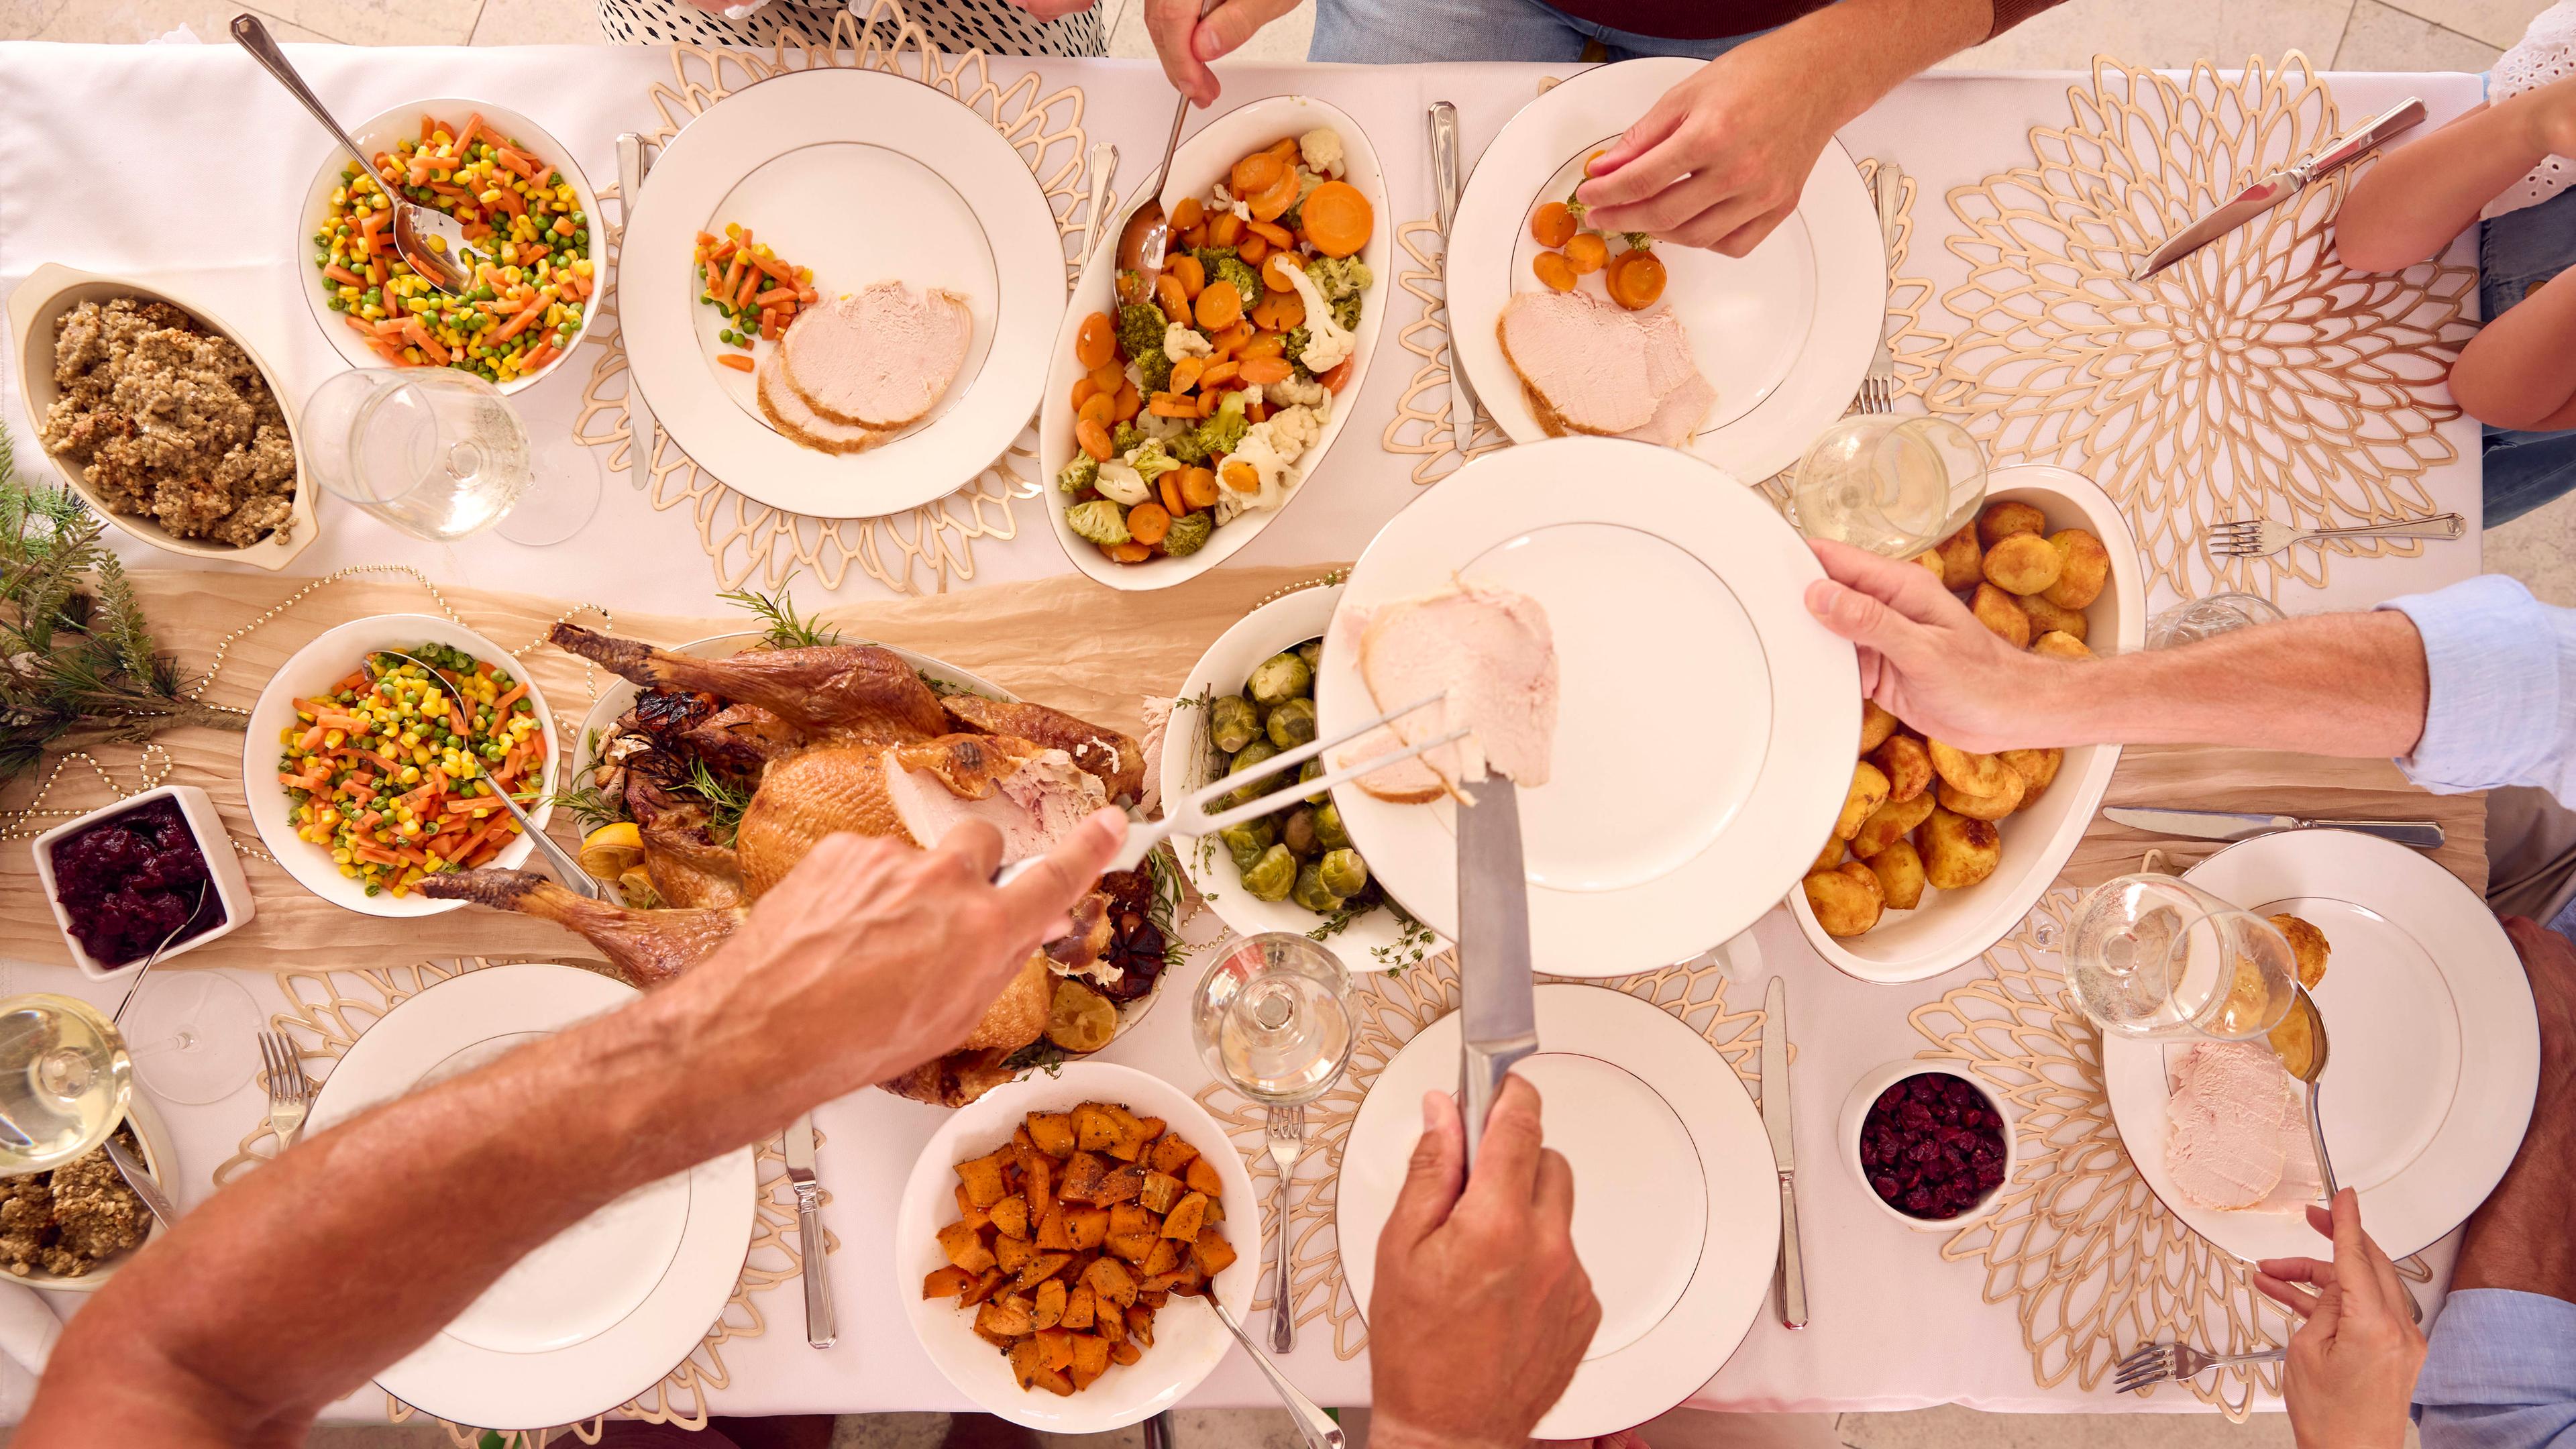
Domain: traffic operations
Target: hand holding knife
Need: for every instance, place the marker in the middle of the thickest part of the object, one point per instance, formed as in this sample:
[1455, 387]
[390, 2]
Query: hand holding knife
[1495, 1006]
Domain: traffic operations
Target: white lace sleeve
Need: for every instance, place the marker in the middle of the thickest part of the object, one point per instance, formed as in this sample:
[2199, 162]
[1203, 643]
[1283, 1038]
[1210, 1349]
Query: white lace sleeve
[2546, 52]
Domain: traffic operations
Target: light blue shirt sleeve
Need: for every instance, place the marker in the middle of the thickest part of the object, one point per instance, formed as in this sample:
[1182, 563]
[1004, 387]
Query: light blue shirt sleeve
[2502, 704]
[2500, 1373]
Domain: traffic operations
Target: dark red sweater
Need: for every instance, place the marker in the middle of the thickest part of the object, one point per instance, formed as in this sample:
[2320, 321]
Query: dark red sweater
[1717, 19]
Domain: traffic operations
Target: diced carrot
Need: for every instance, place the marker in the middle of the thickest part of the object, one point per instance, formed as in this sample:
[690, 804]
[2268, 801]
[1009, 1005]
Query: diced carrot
[776, 295]
[343, 275]
[736, 361]
[465, 138]
[376, 272]
[519, 323]
[537, 357]
[706, 239]
[750, 285]
[501, 706]
[428, 125]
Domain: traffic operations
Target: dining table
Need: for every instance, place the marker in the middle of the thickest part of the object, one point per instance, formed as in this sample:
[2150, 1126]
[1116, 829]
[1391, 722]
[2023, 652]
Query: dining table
[183, 164]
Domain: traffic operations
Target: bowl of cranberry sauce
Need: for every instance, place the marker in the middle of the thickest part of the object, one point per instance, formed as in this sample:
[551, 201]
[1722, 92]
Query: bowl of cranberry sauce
[1931, 1145]
[155, 867]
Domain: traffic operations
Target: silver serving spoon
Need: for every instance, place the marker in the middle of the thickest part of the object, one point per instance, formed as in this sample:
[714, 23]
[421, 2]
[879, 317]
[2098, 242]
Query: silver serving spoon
[567, 870]
[1147, 236]
[411, 219]
[2308, 1071]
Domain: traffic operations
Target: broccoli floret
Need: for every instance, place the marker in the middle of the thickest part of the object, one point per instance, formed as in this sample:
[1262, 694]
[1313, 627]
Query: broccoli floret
[1224, 431]
[1188, 533]
[1081, 473]
[1140, 329]
[1154, 367]
[1339, 277]
[1224, 264]
[1152, 461]
[1099, 520]
[1346, 311]
[1187, 447]
[1126, 439]
[1293, 347]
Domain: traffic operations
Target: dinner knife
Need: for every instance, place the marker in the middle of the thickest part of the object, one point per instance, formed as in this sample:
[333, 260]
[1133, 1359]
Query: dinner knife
[820, 1325]
[1499, 1018]
[1444, 187]
[139, 1178]
[639, 416]
[2226, 825]
[1791, 1282]
[2279, 186]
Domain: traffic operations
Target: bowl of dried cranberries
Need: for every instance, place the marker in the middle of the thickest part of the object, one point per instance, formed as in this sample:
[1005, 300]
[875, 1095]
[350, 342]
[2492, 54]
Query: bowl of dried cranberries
[1932, 1145]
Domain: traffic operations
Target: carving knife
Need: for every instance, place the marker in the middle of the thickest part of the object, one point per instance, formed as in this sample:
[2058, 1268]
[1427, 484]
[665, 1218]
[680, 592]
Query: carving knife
[2279, 186]
[1494, 1002]
[821, 1325]
[2226, 825]
[139, 1178]
[1445, 181]
[1790, 1284]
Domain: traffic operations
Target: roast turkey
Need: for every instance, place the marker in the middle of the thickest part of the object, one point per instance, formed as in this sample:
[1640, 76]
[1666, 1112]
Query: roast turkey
[797, 421]
[1591, 366]
[1490, 652]
[879, 358]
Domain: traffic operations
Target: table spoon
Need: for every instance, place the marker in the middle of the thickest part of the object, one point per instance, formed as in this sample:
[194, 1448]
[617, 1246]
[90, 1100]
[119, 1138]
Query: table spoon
[1144, 240]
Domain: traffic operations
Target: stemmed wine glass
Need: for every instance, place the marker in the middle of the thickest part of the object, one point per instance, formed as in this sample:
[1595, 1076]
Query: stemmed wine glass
[2155, 957]
[1272, 1017]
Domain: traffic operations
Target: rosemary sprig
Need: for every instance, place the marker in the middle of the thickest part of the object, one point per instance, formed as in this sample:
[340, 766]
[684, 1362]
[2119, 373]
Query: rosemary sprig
[725, 803]
[589, 804]
[787, 628]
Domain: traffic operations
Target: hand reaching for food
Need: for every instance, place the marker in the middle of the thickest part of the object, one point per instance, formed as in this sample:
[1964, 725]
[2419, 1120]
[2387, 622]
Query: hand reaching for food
[1721, 158]
[1925, 657]
[1481, 1312]
[2352, 1364]
[1187, 40]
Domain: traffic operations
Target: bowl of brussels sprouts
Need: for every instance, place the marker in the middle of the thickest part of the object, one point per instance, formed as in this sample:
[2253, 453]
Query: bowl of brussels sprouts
[1252, 696]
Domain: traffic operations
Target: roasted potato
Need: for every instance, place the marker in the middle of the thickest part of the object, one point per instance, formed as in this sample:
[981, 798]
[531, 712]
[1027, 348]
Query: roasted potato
[1931, 559]
[2037, 768]
[1957, 851]
[2087, 569]
[1890, 822]
[2310, 944]
[1868, 792]
[1876, 725]
[1906, 764]
[1983, 807]
[2046, 617]
[1899, 869]
[1962, 561]
[1999, 521]
[2002, 613]
[1971, 774]
[1830, 856]
[1845, 904]
[2023, 563]
[2057, 644]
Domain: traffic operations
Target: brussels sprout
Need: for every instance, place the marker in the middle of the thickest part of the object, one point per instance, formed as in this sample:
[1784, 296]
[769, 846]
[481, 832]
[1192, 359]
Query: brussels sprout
[1099, 520]
[1244, 759]
[1329, 828]
[1343, 872]
[1291, 723]
[1272, 876]
[1189, 533]
[1312, 651]
[1297, 832]
[1232, 722]
[1310, 892]
[1281, 676]
[1309, 771]
[1247, 841]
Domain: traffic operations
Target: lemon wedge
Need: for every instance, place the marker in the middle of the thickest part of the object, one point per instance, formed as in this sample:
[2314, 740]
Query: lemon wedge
[612, 850]
[1080, 1019]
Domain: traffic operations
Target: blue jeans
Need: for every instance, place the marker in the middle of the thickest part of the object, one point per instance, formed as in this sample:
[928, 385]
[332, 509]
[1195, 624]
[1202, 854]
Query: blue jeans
[1386, 32]
[2517, 252]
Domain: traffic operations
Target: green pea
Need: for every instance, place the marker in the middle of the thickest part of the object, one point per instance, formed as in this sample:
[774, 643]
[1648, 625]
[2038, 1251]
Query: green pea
[339, 306]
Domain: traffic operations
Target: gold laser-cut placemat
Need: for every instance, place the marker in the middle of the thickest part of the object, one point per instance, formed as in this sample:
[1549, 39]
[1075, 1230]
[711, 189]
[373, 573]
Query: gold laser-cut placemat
[327, 1011]
[928, 547]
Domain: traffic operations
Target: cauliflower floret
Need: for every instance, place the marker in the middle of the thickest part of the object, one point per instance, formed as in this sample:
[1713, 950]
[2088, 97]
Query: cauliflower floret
[1121, 482]
[1155, 425]
[1321, 150]
[1332, 342]
[1180, 342]
[1292, 391]
[1271, 450]
[1220, 199]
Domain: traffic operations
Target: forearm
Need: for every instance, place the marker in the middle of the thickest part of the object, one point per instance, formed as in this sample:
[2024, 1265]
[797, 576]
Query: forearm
[2413, 200]
[2350, 685]
[1862, 49]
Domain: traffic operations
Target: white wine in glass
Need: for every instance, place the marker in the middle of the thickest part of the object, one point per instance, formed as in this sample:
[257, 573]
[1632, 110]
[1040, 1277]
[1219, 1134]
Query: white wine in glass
[1273, 1017]
[64, 1081]
[2156, 957]
[1892, 485]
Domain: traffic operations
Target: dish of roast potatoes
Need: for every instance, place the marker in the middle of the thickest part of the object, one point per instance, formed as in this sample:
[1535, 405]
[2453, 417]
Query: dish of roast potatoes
[1922, 813]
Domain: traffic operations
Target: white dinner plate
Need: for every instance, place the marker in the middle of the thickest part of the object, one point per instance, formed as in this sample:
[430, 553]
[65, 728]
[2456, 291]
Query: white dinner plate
[600, 1312]
[1707, 722]
[862, 176]
[1676, 1202]
[1188, 1340]
[1784, 333]
[2433, 1045]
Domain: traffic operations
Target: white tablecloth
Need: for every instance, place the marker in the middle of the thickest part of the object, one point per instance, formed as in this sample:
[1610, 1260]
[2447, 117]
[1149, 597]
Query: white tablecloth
[186, 164]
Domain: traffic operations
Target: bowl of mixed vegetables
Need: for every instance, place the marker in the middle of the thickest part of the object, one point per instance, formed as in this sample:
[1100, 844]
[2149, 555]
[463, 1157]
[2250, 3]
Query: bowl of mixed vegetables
[1251, 696]
[366, 772]
[538, 261]
[1182, 414]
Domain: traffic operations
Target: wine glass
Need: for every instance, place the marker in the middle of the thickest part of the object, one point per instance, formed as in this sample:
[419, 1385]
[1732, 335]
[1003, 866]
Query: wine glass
[2155, 957]
[65, 1080]
[193, 1035]
[1272, 1017]
[1892, 485]
[439, 453]
[2209, 617]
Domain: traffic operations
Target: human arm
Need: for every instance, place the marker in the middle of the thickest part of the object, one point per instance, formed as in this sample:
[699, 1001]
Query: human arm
[1721, 158]
[2416, 198]
[2352, 1362]
[1187, 40]
[868, 959]
[1481, 1312]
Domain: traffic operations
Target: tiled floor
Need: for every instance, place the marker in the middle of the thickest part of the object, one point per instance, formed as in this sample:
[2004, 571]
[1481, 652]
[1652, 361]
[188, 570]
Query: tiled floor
[2339, 34]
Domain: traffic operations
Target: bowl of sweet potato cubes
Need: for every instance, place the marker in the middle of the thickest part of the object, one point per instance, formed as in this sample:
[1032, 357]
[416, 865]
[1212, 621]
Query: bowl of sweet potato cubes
[1050, 1234]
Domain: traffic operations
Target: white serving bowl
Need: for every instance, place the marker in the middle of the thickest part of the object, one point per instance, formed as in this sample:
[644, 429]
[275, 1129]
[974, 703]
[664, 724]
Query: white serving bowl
[1951, 928]
[161, 1161]
[1188, 1340]
[380, 132]
[1369, 942]
[1201, 162]
[1864, 1095]
[50, 291]
[312, 670]
[223, 871]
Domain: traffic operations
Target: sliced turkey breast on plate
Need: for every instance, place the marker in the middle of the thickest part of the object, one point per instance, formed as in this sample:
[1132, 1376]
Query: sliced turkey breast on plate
[1679, 416]
[1491, 653]
[2237, 1135]
[1590, 366]
[1406, 782]
[797, 421]
[880, 357]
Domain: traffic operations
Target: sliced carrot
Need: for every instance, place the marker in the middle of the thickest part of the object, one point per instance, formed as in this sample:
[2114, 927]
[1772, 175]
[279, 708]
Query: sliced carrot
[1108, 377]
[1193, 276]
[1186, 214]
[1587, 253]
[538, 357]
[1340, 376]
[1217, 375]
[1083, 388]
[777, 270]
[1223, 229]
[1128, 552]
[1101, 409]
[1220, 306]
[465, 138]
[343, 275]
[1270, 232]
[1172, 405]
[1174, 301]
[1185, 373]
[1147, 522]
[750, 285]
[1169, 486]
[1254, 173]
[736, 361]
[1338, 219]
[1553, 269]
[1264, 370]
[1198, 488]
[1092, 436]
[1129, 402]
[1095, 342]
[1251, 249]
[1552, 225]
[774, 296]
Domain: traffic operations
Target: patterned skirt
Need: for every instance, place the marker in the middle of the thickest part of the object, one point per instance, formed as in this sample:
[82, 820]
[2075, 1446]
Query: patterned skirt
[995, 27]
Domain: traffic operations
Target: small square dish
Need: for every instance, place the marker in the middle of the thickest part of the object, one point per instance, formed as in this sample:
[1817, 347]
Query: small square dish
[155, 869]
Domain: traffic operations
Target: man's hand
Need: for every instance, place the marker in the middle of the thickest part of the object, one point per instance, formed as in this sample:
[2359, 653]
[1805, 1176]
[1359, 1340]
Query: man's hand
[1926, 659]
[1721, 159]
[1481, 1311]
[1053, 9]
[2351, 1370]
[1187, 40]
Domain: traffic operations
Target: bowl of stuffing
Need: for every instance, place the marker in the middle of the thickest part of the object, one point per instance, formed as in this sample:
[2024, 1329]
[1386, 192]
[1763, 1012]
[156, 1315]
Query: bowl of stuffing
[70, 1229]
[161, 418]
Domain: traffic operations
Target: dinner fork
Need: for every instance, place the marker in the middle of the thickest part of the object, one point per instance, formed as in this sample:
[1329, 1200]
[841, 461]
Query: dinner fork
[290, 1092]
[1878, 386]
[1285, 1134]
[1189, 815]
[2155, 1363]
[2254, 537]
